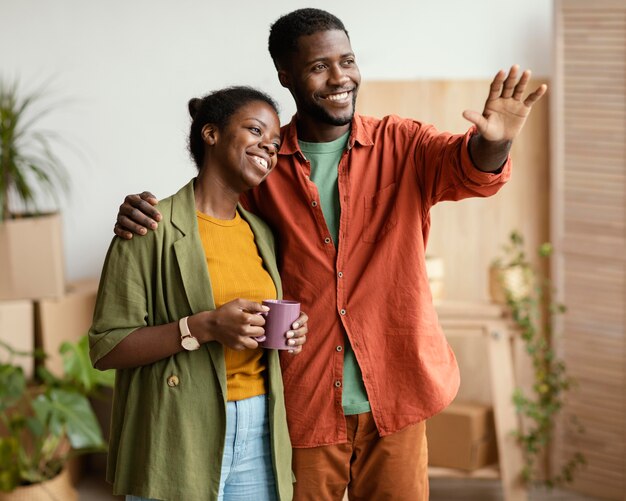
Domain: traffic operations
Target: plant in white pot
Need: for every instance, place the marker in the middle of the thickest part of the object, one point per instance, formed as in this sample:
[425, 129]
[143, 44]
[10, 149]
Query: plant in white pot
[45, 423]
[31, 253]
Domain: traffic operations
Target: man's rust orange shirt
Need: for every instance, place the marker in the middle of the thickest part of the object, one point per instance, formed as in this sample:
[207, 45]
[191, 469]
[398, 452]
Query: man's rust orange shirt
[373, 286]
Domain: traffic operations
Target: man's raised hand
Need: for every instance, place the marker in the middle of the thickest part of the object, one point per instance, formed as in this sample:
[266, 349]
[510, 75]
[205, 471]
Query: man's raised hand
[506, 109]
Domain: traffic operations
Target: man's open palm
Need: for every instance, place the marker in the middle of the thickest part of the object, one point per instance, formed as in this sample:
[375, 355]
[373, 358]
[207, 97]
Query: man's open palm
[505, 112]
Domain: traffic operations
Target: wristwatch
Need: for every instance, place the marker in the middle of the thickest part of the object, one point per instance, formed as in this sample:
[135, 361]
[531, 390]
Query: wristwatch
[187, 340]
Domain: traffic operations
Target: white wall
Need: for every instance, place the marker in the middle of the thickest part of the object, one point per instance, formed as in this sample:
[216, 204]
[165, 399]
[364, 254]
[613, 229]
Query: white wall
[128, 68]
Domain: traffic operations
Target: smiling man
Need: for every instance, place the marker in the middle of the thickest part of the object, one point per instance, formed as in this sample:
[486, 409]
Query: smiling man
[350, 204]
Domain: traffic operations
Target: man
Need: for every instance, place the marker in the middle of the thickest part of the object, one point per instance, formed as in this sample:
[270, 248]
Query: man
[349, 203]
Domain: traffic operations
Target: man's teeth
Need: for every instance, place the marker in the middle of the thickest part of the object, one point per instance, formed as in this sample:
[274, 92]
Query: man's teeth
[261, 161]
[337, 97]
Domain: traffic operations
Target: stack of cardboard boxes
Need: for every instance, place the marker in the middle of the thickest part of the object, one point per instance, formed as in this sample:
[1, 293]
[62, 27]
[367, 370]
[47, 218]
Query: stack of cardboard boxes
[38, 309]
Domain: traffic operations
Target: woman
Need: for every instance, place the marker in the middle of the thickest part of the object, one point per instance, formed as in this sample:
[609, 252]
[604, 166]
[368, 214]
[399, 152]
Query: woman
[198, 412]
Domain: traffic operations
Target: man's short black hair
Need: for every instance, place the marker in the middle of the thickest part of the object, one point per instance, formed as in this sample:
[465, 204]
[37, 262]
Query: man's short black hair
[286, 31]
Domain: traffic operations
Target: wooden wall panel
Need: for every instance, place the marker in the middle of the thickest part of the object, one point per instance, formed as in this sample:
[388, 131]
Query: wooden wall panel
[469, 234]
[588, 227]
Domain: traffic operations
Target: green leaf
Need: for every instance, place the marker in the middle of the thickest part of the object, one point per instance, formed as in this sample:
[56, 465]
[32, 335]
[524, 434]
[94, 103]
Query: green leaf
[75, 411]
[12, 385]
[79, 370]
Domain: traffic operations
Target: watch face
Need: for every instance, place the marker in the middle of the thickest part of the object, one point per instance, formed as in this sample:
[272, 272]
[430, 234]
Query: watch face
[190, 343]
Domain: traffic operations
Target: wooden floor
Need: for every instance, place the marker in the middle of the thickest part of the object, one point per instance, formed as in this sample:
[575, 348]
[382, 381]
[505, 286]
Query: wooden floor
[441, 489]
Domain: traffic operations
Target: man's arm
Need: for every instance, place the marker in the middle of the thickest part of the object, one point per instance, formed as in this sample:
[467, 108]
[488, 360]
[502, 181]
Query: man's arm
[502, 119]
[136, 215]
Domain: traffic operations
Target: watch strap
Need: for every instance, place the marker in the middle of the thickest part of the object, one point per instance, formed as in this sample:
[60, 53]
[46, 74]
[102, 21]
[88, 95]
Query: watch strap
[183, 327]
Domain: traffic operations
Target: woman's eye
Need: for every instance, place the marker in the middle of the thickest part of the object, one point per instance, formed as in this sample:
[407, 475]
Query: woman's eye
[277, 146]
[255, 130]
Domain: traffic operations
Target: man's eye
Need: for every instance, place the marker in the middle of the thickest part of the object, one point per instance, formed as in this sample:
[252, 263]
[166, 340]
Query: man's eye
[319, 67]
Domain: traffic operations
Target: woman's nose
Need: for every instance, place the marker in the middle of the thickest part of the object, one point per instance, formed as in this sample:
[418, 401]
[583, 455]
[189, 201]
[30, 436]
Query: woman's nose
[269, 146]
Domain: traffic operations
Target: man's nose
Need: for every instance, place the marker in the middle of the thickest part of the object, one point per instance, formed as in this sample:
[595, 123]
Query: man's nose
[338, 75]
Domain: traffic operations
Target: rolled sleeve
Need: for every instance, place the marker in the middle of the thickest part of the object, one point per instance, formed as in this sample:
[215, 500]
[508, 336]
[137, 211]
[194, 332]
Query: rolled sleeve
[478, 176]
[121, 305]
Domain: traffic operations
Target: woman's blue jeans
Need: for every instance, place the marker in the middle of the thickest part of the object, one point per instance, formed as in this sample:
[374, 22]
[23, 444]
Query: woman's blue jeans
[247, 471]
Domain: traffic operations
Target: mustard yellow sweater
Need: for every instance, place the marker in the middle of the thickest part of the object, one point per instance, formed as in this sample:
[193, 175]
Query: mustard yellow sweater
[236, 271]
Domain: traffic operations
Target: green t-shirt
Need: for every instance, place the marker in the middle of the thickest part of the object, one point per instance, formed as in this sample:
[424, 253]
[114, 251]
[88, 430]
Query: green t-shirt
[324, 159]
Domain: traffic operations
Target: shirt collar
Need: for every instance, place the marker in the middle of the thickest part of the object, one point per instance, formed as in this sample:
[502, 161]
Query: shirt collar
[290, 146]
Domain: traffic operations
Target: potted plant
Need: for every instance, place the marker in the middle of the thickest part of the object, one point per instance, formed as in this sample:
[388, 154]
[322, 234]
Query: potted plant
[29, 171]
[45, 423]
[510, 274]
[528, 295]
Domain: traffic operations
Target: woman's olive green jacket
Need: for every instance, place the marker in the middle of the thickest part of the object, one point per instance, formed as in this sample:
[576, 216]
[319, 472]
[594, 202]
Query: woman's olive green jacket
[169, 417]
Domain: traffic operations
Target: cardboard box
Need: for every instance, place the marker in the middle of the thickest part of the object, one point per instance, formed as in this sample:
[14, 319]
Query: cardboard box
[66, 318]
[31, 258]
[462, 436]
[17, 329]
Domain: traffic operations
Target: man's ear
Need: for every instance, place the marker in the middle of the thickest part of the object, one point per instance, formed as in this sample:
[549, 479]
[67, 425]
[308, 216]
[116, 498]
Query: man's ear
[209, 134]
[283, 78]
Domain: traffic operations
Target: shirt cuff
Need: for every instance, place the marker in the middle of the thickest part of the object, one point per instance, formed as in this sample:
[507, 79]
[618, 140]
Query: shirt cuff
[474, 173]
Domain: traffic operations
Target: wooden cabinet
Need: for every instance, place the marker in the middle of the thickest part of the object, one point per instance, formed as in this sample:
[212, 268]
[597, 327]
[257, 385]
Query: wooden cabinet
[589, 233]
[468, 325]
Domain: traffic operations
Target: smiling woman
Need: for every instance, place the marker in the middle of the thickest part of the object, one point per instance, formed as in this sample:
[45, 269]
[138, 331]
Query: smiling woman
[177, 315]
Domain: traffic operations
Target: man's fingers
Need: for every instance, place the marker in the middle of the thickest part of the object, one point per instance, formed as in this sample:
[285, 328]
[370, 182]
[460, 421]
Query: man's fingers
[511, 80]
[134, 215]
[126, 235]
[476, 118]
[139, 210]
[535, 96]
[521, 85]
[148, 197]
[496, 86]
[128, 224]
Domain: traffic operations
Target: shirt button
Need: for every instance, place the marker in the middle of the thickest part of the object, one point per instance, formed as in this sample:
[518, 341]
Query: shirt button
[314, 203]
[172, 381]
[340, 274]
[337, 384]
[343, 312]
[339, 348]
[327, 240]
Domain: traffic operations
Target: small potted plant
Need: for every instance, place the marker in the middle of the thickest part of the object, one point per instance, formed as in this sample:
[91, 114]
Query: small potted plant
[29, 171]
[510, 274]
[45, 423]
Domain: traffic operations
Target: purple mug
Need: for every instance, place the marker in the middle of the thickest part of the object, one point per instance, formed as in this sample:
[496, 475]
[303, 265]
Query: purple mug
[278, 321]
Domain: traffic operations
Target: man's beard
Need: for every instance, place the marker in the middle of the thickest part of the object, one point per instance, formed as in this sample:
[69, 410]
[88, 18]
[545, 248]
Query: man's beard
[319, 113]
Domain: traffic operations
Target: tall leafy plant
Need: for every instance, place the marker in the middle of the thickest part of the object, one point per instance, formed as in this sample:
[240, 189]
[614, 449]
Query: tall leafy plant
[28, 164]
[534, 312]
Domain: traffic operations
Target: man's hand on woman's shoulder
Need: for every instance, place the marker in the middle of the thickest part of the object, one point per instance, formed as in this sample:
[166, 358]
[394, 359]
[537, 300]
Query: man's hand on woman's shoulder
[137, 215]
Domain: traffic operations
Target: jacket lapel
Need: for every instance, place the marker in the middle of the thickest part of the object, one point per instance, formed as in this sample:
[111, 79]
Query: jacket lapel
[189, 253]
[193, 269]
